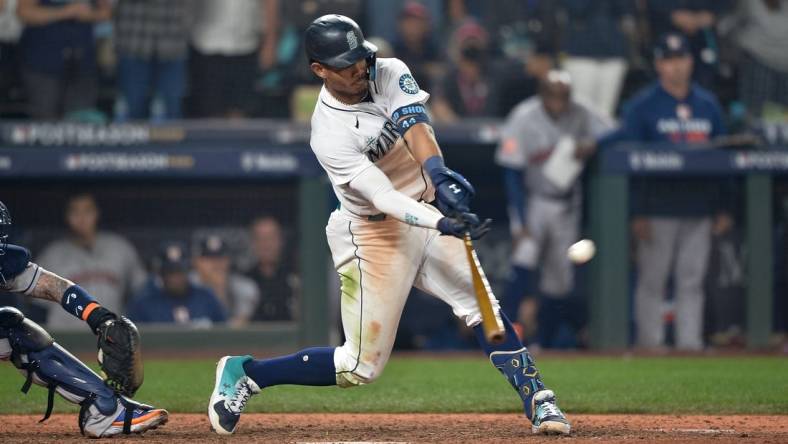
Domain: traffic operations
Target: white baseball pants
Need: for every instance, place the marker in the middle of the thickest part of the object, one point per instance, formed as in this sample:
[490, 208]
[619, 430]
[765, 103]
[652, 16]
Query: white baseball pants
[378, 262]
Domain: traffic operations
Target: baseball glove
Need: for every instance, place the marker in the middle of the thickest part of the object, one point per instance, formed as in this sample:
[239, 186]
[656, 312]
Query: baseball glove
[119, 355]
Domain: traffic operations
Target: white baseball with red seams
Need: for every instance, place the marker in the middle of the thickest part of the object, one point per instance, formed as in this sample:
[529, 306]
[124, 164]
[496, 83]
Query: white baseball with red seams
[581, 251]
[379, 259]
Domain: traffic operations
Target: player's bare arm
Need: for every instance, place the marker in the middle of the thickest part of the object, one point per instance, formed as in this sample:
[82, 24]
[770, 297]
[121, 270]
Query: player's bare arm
[50, 287]
[421, 142]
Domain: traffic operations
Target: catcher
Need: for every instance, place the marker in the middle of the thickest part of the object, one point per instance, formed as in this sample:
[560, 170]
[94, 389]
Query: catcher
[106, 409]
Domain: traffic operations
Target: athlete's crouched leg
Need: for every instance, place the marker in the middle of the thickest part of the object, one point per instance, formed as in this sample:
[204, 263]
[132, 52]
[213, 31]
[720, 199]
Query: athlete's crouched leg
[43, 362]
[356, 368]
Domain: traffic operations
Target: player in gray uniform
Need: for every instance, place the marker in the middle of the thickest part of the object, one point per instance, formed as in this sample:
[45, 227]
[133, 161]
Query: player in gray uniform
[105, 264]
[545, 210]
[372, 135]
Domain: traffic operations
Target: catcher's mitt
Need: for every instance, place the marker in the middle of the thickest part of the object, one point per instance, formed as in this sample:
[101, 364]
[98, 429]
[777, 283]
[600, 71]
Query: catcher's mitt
[119, 355]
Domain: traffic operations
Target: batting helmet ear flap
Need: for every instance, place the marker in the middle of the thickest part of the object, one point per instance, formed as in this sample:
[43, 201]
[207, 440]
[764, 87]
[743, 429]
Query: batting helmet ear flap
[372, 70]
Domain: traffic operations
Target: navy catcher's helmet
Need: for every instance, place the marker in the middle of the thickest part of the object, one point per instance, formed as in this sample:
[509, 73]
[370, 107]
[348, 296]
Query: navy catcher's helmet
[5, 224]
[336, 41]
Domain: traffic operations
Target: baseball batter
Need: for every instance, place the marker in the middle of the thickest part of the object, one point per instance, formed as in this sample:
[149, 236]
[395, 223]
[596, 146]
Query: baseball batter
[372, 134]
[105, 409]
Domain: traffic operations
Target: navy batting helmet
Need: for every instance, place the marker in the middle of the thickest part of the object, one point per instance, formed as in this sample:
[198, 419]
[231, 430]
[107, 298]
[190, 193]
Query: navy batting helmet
[336, 41]
[5, 224]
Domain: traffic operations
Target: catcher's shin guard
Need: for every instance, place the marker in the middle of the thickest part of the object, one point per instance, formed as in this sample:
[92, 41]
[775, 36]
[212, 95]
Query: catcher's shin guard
[45, 363]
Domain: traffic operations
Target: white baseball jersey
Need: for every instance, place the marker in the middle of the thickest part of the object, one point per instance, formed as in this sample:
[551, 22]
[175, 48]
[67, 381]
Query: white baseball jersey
[379, 260]
[347, 139]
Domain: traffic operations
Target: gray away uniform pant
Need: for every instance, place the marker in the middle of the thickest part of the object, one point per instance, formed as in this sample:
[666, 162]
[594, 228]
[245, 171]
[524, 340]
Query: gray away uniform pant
[680, 245]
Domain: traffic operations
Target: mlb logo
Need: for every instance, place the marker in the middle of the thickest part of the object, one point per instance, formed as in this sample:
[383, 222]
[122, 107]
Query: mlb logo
[352, 40]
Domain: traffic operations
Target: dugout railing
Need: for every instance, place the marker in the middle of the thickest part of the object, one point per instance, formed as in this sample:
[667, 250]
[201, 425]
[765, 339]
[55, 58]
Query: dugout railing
[608, 206]
[254, 151]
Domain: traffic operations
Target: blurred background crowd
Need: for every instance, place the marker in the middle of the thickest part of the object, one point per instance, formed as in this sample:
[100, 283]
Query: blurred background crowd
[133, 59]
[587, 61]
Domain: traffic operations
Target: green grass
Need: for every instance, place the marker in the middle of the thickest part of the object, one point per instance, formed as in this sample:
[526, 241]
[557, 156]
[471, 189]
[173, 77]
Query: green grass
[413, 384]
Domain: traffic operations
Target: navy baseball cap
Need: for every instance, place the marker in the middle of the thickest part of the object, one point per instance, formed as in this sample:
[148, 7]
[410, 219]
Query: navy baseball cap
[671, 44]
[212, 246]
[172, 256]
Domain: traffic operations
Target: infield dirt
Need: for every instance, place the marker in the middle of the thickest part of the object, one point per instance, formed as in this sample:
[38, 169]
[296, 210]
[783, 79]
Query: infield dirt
[424, 428]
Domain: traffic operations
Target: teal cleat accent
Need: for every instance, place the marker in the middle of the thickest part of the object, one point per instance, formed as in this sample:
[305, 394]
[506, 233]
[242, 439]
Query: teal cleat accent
[231, 392]
[548, 419]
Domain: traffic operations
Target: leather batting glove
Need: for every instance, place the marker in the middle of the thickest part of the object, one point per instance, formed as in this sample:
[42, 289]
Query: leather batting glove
[463, 223]
[453, 192]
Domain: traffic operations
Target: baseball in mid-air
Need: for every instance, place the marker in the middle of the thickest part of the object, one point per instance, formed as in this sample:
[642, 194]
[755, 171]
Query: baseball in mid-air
[581, 251]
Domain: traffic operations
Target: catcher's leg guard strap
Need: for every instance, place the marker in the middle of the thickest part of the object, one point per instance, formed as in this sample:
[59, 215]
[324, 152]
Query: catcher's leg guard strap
[129, 415]
[57, 369]
[47, 364]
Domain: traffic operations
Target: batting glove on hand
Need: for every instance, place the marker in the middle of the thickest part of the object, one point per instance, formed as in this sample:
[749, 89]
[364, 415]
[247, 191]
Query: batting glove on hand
[453, 192]
[463, 223]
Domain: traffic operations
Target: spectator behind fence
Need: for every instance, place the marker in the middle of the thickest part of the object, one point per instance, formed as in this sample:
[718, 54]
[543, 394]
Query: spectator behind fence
[151, 41]
[232, 42]
[526, 33]
[696, 20]
[10, 31]
[516, 27]
[104, 263]
[763, 37]
[414, 44]
[543, 133]
[238, 294]
[595, 47]
[170, 297]
[469, 88]
[673, 217]
[58, 54]
[278, 283]
[377, 17]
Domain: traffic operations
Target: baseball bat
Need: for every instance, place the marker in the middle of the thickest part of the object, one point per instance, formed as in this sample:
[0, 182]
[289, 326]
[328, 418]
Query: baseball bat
[491, 321]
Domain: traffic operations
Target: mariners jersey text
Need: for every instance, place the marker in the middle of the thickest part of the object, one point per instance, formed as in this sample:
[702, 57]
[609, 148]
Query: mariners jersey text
[347, 139]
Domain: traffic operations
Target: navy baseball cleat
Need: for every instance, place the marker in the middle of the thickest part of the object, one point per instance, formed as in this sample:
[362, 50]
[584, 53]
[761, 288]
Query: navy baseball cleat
[231, 392]
[548, 419]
